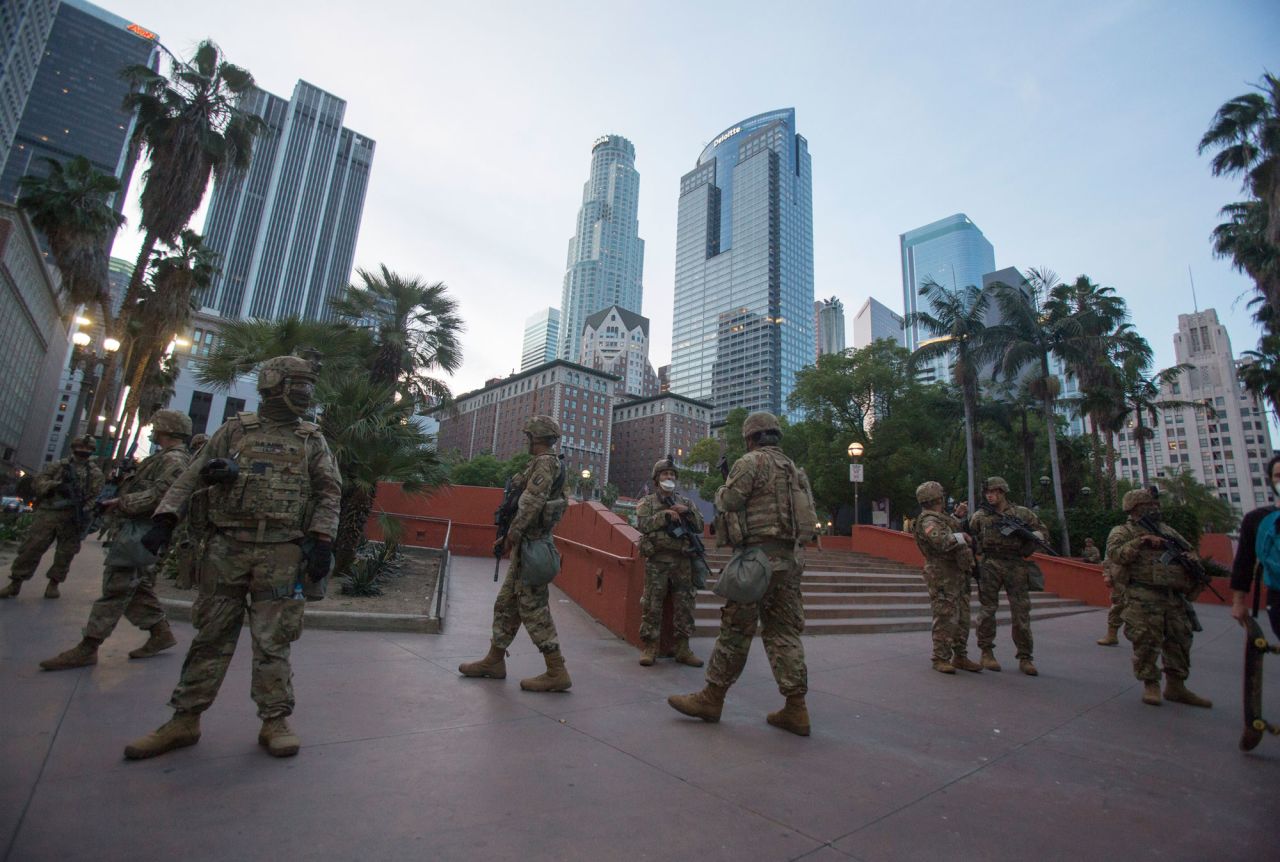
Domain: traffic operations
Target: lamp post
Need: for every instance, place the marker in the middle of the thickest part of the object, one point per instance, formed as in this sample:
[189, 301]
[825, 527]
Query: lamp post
[855, 475]
[1044, 487]
[582, 488]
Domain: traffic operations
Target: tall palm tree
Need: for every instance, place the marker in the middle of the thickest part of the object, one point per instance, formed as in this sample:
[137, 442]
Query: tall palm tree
[1243, 239]
[1261, 375]
[71, 206]
[1009, 408]
[958, 326]
[1143, 402]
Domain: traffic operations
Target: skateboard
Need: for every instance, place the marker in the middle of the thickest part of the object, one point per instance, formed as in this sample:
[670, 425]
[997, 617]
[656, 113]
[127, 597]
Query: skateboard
[1256, 648]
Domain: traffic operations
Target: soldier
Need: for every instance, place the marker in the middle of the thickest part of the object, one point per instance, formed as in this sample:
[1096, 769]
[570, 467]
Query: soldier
[543, 500]
[666, 565]
[1115, 614]
[1090, 552]
[272, 490]
[948, 564]
[185, 546]
[128, 576]
[1156, 595]
[761, 499]
[1004, 565]
[66, 490]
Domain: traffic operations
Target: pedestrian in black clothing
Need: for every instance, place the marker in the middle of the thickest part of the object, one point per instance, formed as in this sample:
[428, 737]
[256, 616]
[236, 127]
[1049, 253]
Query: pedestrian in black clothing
[1246, 567]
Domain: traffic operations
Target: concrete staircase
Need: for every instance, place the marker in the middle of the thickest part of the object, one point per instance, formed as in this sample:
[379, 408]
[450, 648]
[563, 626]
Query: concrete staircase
[851, 593]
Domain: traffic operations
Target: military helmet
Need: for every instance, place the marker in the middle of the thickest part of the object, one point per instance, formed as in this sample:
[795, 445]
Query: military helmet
[996, 483]
[664, 464]
[929, 492]
[274, 371]
[757, 422]
[85, 442]
[1135, 498]
[198, 441]
[173, 422]
[542, 428]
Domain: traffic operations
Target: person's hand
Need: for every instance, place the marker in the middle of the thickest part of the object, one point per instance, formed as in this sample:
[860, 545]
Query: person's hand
[509, 542]
[670, 515]
[158, 536]
[1151, 540]
[961, 510]
[1108, 580]
[108, 505]
[320, 560]
[680, 508]
[1239, 612]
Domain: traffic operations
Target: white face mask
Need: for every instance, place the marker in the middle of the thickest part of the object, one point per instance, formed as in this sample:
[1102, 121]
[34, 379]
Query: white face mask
[1275, 487]
[668, 484]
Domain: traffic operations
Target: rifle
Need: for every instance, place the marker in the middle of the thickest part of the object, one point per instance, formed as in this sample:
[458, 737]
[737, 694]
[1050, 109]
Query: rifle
[1011, 525]
[684, 530]
[502, 518]
[77, 497]
[1176, 551]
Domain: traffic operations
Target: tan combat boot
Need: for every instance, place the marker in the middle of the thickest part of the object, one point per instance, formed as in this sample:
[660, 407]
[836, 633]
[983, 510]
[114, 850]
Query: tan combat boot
[178, 732]
[941, 665]
[706, 704]
[15, 587]
[1151, 693]
[963, 662]
[492, 666]
[1176, 690]
[989, 660]
[161, 639]
[278, 737]
[1110, 639]
[556, 678]
[51, 591]
[82, 654]
[1028, 667]
[684, 655]
[649, 654]
[793, 717]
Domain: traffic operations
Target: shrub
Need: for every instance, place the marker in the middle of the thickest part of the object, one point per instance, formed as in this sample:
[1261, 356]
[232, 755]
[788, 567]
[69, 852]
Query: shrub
[375, 563]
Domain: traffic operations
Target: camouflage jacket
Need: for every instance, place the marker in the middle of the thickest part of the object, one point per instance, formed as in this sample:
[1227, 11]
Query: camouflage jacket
[538, 511]
[1091, 555]
[48, 484]
[1135, 563]
[986, 528]
[758, 487]
[143, 489]
[652, 523]
[936, 537]
[287, 484]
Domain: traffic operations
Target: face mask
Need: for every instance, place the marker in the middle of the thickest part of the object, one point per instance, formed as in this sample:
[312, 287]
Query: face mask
[1275, 489]
[81, 454]
[277, 409]
[298, 395]
[668, 484]
[1153, 514]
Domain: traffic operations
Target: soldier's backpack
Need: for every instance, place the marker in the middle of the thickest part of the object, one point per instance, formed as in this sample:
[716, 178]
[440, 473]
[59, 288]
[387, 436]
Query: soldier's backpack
[803, 510]
[1267, 548]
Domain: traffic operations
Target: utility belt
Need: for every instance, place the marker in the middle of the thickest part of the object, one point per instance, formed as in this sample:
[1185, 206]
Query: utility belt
[1011, 558]
[238, 594]
[771, 544]
[1154, 588]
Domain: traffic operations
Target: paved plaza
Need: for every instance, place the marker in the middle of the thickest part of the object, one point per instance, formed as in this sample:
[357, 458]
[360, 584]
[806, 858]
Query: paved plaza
[403, 759]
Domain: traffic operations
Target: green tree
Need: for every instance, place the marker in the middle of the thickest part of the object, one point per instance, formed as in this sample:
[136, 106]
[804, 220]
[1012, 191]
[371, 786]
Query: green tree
[1141, 399]
[1261, 373]
[1212, 513]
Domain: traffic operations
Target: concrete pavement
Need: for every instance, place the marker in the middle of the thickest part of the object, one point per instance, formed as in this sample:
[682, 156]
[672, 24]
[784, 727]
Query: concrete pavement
[403, 759]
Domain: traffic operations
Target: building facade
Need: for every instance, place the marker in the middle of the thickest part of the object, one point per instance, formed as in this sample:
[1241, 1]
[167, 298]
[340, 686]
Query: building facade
[648, 429]
[1225, 443]
[954, 253]
[491, 420]
[605, 263]
[287, 228]
[24, 30]
[875, 321]
[207, 406]
[541, 338]
[743, 317]
[828, 321]
[74, 105]
[617, 341]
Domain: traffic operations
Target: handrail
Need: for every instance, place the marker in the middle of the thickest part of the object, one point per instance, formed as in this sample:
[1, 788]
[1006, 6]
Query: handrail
[617, 557]
[448, 523]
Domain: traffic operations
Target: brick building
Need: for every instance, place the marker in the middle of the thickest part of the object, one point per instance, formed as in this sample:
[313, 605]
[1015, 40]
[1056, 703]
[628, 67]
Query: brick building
[649, 429]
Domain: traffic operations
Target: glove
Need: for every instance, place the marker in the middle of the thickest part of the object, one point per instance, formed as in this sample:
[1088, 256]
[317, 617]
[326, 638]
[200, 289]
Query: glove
[219, 471]
[158, 536]
[319, 561]
[66, 490]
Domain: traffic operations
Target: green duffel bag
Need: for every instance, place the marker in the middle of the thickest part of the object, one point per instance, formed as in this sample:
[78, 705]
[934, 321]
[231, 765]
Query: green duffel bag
[746, 576]
[539, 561]
[126, 546]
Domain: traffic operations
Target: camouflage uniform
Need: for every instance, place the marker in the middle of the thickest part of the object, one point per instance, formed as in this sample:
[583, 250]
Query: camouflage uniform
[948, 563]
[1091, 554]
[666, 566]
[1115, 613]
[55, 519]
[1004, 567]
[535, 517]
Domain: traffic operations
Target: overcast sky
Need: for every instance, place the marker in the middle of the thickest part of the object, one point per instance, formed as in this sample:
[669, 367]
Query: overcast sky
[1066, 130]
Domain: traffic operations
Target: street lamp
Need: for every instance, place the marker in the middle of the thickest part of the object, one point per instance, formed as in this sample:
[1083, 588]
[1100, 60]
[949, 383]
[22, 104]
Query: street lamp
[586, 478]
[1044, 488]
[855, 475]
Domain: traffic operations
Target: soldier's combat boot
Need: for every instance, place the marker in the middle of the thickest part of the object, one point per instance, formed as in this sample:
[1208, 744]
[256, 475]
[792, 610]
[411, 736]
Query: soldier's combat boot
[706, 704]
[556, 678]
[793, 717]
[14, 587]
[1151, 693]
[1176, 690]
[161, 639]
[178, 732]
[989, 660]
[963, 662]
[684, 655]
[941, 665]
[51, 591]
[278, 737]
[649, 654]
[1110, 639]
[1028, 667]
[492, 666]
[82, 654]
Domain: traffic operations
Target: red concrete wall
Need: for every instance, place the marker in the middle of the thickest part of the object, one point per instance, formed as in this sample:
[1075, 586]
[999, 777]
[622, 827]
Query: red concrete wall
[1217, 547]
[470, 510]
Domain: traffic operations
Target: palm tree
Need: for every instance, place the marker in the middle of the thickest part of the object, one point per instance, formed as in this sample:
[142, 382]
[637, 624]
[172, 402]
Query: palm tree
[71, 206]
[1009, 409]
[1261, 374]
[1141, 393]
[958, 326]
[1243, 239]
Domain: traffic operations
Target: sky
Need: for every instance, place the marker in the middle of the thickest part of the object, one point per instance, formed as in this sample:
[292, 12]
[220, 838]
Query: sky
[1066, 131]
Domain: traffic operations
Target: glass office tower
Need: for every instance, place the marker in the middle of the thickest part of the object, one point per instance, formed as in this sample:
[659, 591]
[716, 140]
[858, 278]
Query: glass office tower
[743, 323]
[541, 338]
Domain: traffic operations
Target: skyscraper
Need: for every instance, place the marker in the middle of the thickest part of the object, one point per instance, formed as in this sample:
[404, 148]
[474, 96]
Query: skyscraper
[954, 253]
[617, 341]
[828, 317]
[606, 255]
[287, 228]
[24, 30]
[875, 321]
[743, 322]
[541, 338]
[74, 104]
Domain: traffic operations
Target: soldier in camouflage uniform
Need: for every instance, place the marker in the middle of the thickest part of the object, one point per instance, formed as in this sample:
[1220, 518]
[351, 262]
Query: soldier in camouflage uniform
[1004, 566]
[1115, 614]
[666, 565]
[128, 581]
[65, 491]
[1156, 596]
[948, 564]
[185, 546]
[268, 489]
[542, 503]
[759, 509]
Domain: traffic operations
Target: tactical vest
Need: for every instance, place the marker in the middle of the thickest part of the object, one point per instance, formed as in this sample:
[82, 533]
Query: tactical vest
[770, 515]
[1148, 571]
[272, 490]
[963, 559]
[997, 545]
[662, 542]
[556, 505]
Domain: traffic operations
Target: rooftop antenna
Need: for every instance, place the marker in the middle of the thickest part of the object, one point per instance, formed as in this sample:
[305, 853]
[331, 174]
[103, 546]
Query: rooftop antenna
[1194, 303]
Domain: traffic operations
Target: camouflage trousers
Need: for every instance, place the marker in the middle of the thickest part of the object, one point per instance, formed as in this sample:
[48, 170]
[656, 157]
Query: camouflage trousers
[236, 577]
[518, 603]
[780, 614]
[126, 592]
[48, 526]
[1156, 623]
[663, 573]
[179, 562]
[949, 600]
[1115, 614]
[1012, 576]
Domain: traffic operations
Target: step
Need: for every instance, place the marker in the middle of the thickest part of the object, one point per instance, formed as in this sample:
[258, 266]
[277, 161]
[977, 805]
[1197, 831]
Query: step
[905, 624]
[710, 609]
